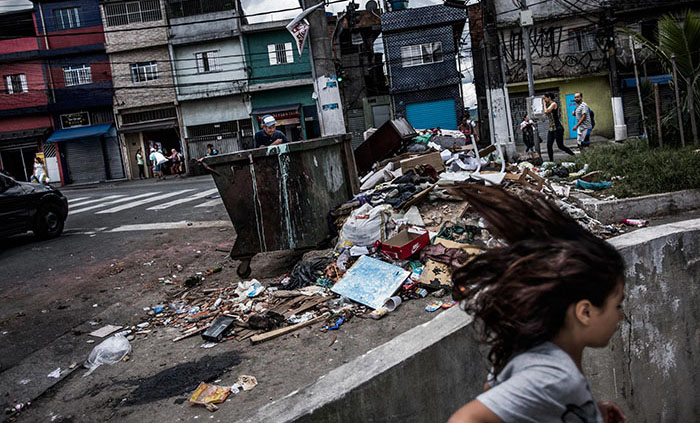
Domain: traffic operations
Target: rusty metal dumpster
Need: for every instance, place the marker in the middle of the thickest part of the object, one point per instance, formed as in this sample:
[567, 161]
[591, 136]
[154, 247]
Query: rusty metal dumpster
[279, 197]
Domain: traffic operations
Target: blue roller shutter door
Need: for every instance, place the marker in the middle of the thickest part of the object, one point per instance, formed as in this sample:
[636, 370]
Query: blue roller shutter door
[432, 114]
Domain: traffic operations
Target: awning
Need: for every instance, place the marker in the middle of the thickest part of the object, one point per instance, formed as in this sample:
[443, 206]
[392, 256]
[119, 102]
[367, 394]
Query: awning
[148, 126]
[656, 79]
[85, 132]
[275, 109]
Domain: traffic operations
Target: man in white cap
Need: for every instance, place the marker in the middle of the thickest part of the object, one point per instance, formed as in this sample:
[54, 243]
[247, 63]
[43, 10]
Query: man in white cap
[268, 135]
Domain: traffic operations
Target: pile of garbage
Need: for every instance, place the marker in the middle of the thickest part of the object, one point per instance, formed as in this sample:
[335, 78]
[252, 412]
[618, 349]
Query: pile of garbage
[398, 240]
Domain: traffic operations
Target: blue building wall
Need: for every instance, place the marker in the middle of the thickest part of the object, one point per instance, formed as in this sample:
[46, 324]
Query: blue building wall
[89, 13]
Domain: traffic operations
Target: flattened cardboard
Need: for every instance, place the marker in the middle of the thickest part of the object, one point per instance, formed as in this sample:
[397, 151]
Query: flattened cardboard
[436, 275]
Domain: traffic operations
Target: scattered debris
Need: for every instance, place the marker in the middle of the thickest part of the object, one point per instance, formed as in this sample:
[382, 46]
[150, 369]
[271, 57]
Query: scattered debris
[112, 350]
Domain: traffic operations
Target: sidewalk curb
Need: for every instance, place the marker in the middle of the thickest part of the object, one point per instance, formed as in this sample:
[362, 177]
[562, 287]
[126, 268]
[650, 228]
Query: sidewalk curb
[665, 204]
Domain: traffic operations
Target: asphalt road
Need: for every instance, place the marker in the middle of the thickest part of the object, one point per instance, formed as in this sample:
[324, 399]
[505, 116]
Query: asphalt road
[49, 287]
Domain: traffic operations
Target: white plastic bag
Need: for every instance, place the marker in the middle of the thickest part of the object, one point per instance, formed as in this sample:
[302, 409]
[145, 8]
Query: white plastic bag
[111, 350]
[365, 226]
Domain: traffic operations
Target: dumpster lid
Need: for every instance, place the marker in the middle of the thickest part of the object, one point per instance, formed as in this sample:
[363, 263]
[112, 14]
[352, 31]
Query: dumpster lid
[275, 109]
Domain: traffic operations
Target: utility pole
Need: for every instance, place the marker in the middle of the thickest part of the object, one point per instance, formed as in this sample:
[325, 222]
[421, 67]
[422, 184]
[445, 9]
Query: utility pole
[618, 111]
[328, 102]
[639, 90]
[525, 23]
[678, 99]
[691, 109]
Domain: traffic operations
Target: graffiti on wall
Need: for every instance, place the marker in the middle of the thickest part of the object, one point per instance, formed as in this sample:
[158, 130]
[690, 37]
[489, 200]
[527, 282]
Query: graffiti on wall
[555, 52]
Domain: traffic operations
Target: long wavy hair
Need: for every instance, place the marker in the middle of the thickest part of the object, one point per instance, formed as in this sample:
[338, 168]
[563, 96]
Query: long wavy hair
[519, 294]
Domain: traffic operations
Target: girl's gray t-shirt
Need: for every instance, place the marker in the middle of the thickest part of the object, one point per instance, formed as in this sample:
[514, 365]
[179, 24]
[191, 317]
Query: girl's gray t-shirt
[541, 385]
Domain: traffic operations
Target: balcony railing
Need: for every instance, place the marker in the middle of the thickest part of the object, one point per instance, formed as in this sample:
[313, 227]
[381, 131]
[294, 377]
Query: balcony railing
[183, 8]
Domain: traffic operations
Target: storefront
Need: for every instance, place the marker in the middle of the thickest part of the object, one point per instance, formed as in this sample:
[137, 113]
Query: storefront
[90, 153]
[294, 109]
[165, 135]
[17, 152]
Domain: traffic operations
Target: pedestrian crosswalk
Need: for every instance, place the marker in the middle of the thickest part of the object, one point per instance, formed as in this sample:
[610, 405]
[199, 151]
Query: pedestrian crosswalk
[152, 200]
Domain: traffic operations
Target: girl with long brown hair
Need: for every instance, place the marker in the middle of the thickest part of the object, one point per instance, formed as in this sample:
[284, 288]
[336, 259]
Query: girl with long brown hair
[554, 290]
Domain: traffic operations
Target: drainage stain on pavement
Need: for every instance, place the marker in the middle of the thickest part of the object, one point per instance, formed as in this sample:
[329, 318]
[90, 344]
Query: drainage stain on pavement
[182, 378]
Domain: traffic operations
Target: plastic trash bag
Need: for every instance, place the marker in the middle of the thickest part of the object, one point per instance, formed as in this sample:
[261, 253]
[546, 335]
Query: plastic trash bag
[111, 350]
[365, 226]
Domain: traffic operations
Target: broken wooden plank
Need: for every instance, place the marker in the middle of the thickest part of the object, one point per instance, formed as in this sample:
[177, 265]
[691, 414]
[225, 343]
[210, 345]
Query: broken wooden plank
[311, 303]
[190, 333]
[283, 331]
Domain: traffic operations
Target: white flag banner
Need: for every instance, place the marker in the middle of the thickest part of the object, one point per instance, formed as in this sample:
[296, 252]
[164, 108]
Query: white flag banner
[299, 27]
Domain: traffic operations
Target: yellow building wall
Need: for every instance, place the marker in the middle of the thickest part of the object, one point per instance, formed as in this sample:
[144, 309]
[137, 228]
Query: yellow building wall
[596, 93]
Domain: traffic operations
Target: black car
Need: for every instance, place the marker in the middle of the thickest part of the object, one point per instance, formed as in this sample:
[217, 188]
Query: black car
[25, 206]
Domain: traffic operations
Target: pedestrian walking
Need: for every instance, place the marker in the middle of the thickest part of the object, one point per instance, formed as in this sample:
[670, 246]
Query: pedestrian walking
[140, 164]
[584, 124]
[554, 290]
[39, 173]
[176, 162]
[556, 130]
[527, 127]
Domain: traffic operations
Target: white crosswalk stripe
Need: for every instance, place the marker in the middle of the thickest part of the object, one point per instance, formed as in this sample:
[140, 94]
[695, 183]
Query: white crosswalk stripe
[97, 200]
[109, 203]
[211, 203]
[71, 200]
[193, 197]
[144, 201]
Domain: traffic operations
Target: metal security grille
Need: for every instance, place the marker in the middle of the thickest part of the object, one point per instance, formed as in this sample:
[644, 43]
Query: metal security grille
[182, 8]
[85, 161]
[146, 71]
[77, 75]
[421, 54]
[132, 12]
[148, 115]
[49, 149]
[207, 61]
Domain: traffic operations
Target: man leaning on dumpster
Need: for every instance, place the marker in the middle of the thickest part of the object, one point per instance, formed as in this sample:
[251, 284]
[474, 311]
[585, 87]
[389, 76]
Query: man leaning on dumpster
[268, 135]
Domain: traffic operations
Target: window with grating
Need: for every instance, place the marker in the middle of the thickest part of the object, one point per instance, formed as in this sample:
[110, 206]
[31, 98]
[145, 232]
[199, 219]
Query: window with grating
[77, 75]
[581, 40]
[148, 115]
[207, 61]
[101, 116]
[131, 12]
[280, 54]
[421, 54]
[145, 71]
[16, 83]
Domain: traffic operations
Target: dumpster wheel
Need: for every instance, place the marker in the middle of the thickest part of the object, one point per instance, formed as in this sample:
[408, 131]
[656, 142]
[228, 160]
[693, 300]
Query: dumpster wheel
[244, 268]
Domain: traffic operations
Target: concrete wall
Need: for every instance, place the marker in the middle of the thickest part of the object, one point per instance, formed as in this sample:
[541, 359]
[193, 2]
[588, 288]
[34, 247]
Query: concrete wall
[219, 109]
[136, 35]
[203, 27]
[195, 85]
[650, 367]
[257, 59]
[128, 94]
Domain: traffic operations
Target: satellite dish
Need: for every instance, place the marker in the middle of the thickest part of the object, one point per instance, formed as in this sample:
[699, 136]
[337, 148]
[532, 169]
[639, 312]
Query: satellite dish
[371, 6]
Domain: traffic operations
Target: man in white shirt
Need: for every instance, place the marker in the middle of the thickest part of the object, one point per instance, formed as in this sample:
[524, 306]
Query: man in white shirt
[583, 119]
[158, 159]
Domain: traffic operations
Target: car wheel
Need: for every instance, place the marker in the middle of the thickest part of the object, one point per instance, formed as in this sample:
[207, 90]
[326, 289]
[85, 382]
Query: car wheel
[48, 222]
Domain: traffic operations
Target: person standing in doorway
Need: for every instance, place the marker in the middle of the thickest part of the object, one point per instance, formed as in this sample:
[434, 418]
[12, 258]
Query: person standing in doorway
[269, 135]
[527, 128]
[556, 130]
[583, 121]
[140, 164]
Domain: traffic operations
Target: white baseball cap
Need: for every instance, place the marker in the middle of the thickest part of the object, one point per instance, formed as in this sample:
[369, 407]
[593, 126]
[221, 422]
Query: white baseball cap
[268, 120]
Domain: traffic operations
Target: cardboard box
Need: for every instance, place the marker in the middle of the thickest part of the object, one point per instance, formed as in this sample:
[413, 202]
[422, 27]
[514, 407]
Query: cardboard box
[406, 243]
